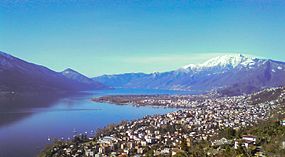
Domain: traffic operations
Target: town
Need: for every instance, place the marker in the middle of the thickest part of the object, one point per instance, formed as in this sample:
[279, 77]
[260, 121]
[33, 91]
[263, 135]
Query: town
[209, 119]
[175, 101]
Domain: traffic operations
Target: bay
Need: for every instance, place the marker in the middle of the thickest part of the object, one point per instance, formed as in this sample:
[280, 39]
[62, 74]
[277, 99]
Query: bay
[25, 131]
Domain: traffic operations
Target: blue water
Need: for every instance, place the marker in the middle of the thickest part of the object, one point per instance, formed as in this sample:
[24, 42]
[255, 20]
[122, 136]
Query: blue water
[24, 132]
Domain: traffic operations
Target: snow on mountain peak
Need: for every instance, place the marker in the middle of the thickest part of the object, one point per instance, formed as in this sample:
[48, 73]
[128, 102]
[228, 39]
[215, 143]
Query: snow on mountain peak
[226, 61]
[191, 66]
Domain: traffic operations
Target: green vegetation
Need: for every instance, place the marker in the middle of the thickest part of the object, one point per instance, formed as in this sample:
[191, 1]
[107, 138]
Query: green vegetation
[270, 141]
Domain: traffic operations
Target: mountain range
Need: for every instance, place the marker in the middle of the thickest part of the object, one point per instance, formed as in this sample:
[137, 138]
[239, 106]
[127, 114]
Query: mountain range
[17, 75]
[230, 74]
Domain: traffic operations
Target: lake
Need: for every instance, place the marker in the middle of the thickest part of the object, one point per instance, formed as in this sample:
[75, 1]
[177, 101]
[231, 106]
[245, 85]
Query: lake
[24, 130]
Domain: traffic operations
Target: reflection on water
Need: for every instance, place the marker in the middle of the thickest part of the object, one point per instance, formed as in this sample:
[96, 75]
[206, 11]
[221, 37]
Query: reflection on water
[17, 107]
[26, 123]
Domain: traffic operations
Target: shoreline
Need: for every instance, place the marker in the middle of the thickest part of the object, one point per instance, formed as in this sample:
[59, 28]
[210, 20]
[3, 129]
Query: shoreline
[152, 134]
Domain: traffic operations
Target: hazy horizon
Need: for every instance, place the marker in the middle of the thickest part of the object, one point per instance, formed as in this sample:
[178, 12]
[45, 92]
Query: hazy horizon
[111, 37]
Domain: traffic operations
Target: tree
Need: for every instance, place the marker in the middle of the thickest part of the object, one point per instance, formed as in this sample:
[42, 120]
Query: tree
[229, 133]
[149, 153]
[181, 154]
[183, 145]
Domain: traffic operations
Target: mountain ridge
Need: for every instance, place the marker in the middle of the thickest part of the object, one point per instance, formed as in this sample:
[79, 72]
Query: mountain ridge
[229, 71]
[17, 75]
[75, 75]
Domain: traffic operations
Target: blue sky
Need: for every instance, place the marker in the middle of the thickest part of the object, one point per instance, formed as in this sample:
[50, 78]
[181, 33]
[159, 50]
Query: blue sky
[106, 37]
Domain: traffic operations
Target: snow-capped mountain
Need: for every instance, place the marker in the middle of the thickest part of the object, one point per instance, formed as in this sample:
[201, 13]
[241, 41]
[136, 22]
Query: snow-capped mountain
[236, 73]
[17, 75]
[224, 62]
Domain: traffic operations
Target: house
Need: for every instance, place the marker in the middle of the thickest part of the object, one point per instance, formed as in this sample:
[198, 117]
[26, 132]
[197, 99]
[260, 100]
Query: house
[283, 145]
[165, 151]
[107, 140]
[220, 142]
[175, 151]
[143, 143]
[140, 150]
[236, 145]
[150, 140]
[248, 140]
[89, 152]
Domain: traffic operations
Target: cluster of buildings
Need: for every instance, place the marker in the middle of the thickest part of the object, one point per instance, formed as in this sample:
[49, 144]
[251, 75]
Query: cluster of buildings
[167, 134]
[177, 101]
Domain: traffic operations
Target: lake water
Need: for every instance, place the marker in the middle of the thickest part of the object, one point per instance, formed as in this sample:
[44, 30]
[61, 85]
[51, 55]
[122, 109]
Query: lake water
[24, 130]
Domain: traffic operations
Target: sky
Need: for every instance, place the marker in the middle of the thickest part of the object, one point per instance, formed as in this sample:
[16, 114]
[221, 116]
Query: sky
[109, 37]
